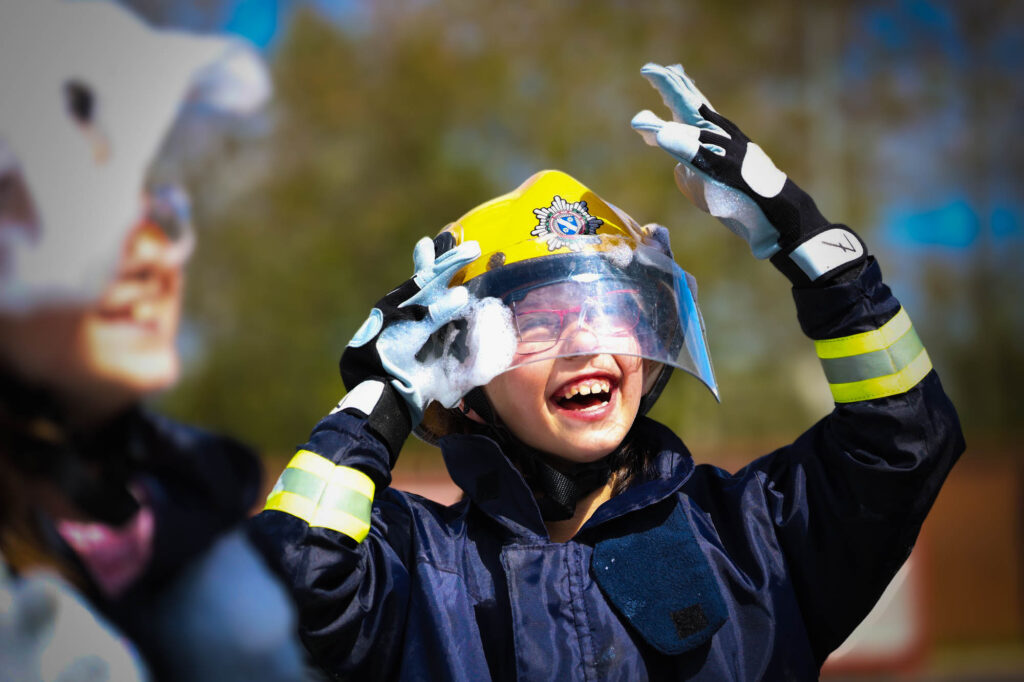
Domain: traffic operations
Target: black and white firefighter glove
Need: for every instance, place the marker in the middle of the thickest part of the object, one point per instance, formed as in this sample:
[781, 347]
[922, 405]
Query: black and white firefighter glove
[726, 175]
[421, 343]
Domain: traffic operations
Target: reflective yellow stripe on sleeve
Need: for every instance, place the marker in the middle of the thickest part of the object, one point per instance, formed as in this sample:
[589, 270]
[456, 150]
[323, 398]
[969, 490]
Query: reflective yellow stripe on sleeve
[324, 495]
[883, 362]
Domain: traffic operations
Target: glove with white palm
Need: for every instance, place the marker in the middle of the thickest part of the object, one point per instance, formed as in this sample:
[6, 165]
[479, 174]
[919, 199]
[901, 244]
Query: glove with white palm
[727, 175]
[383, 367]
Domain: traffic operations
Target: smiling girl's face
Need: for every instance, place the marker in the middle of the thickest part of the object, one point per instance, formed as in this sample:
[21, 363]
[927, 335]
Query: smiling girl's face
[578, 398]
[577, 408]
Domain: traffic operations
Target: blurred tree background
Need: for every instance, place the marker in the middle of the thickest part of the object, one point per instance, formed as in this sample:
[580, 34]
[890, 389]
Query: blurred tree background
[394, 117]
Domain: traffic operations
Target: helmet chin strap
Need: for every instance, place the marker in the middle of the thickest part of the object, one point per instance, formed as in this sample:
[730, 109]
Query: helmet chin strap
[557, 491]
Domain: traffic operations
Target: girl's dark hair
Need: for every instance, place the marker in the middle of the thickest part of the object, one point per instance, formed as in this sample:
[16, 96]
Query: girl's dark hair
[632, 462]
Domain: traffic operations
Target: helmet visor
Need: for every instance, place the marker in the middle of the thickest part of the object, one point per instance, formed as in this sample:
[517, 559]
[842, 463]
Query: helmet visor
[594, 303]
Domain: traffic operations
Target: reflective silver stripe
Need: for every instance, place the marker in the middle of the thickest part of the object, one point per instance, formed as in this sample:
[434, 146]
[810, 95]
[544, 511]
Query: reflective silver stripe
[301, 483]
[874, 364]
[337, 498]
[324, 495]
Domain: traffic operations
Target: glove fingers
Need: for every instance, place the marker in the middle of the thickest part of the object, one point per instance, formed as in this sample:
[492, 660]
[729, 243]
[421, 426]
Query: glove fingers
[681, 96]
[447, 307]
[713, 142]
[680, 140]
[422, 256]
[675, 90]
[436, 281]
[714, 165]
[450, 261]
[678, 72]
[647, 123]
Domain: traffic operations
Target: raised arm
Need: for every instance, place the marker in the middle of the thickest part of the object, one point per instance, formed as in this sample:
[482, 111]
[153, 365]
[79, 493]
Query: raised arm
[847, 499]
[342, 540]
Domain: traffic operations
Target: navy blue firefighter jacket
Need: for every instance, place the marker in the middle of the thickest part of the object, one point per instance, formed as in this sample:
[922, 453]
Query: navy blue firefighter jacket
[692, 573]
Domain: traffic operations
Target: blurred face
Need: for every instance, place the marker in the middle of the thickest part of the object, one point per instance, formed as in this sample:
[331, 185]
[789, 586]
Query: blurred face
[101, 358]
[579, 407]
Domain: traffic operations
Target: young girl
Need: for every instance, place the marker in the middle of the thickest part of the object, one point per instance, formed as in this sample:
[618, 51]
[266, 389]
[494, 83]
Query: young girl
[588, 545]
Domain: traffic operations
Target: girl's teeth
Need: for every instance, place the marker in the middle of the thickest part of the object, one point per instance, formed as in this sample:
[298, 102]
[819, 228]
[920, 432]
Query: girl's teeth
[587, 389]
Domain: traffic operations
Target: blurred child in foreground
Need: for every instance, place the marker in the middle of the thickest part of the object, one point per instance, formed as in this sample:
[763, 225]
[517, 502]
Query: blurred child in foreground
[122, 556]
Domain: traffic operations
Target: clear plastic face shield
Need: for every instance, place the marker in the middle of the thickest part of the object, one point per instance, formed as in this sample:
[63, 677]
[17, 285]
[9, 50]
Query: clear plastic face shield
[633, 302]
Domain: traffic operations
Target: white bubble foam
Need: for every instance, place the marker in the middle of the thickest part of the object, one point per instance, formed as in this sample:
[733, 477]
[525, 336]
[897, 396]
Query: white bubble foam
[468, 358]
[619, 255]
[492, 343]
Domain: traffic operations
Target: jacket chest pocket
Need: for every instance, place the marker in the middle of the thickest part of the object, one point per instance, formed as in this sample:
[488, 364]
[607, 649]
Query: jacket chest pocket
[658, 578]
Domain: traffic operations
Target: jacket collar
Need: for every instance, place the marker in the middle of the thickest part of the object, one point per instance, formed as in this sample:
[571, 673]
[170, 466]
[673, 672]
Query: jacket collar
[478, 466]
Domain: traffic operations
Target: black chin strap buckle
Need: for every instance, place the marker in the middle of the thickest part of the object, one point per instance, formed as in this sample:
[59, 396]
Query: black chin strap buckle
[559, 492]
[477, 401]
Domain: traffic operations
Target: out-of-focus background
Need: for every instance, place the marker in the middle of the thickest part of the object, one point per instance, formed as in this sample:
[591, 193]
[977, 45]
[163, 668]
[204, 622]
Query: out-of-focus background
[393, 117]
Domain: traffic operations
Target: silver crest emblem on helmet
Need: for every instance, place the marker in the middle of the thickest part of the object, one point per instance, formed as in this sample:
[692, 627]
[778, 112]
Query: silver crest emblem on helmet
[565, 224]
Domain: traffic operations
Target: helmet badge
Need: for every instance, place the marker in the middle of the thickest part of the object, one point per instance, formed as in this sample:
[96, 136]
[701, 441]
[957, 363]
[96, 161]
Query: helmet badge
[565, 224]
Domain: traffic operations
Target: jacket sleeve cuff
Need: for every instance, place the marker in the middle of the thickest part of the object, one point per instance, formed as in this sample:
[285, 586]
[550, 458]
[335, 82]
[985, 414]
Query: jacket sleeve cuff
[333, 479]
[821, 258]
[365, 431]
[844, 307]
[385, 411]
[867, 345]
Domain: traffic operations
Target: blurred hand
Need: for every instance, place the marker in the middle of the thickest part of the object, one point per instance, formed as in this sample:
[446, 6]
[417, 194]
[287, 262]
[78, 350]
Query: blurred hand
[47, 632]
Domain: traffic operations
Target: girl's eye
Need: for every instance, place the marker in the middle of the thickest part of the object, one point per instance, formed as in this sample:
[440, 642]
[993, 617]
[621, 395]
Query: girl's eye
[624, 306]
[538, 323]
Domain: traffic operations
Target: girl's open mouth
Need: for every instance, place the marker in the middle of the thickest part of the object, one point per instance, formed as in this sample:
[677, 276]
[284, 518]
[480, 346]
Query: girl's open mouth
[585, 394]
